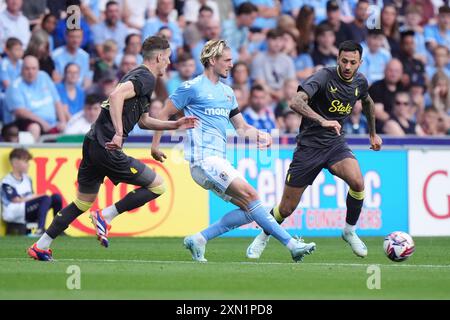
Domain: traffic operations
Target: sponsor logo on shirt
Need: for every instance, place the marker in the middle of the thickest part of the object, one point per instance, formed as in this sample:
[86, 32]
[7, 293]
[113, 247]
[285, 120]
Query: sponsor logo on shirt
[338, 107]
[217, 112]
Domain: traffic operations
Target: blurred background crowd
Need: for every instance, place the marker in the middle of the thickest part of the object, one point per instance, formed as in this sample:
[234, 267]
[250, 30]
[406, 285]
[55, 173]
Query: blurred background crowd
[61, 58]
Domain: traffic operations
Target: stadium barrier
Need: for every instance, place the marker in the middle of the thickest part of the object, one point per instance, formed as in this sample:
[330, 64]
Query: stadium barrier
[183, 209]
[407, 188]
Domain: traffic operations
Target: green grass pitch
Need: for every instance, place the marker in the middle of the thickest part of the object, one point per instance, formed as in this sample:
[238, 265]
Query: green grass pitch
[160, 268]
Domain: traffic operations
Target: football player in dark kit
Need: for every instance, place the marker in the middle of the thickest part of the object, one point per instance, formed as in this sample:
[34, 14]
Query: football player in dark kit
[127, 105]
[324, 101]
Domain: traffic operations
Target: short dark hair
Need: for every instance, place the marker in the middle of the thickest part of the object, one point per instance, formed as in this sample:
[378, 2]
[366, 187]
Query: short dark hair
[184, 56]
[205, 8]
[350, 45]
[375, 32]
[94, 98]
[152, 44]
[246, 8]
[444, 9]
[21, 154]
[407, 33]
[111, 3]
[131, 35]
[11, 42]
[256, 87]
[322, 28]
[275, 33]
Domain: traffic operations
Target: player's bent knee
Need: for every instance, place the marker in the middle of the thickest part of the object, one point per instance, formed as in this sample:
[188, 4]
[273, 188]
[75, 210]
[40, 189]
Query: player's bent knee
[357, 186]
[159, 189]
[82, 205]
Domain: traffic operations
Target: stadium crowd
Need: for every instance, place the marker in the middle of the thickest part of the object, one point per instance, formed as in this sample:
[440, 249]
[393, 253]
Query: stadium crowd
[56, 69]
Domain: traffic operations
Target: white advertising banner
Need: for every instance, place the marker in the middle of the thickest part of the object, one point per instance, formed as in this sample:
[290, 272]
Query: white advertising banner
[429, 192]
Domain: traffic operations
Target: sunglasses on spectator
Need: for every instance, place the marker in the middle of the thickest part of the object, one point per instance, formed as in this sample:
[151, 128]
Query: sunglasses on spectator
[405, 103]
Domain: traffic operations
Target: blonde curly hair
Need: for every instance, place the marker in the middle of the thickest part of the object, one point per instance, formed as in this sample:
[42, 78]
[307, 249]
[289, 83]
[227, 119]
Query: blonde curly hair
[212, 49]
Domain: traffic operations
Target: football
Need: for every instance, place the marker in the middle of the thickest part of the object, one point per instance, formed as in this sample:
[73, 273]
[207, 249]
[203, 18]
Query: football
[398, 246]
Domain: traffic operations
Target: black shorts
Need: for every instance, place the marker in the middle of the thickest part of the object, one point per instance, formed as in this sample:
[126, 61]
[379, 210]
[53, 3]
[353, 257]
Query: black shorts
[307, 163]
[98, 163]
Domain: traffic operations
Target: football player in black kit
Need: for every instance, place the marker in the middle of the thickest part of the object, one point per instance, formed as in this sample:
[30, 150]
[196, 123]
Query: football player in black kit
[324, 101]
[103, 157]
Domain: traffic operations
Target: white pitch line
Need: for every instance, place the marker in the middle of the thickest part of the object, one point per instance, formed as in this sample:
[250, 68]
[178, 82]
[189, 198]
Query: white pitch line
[323, 264]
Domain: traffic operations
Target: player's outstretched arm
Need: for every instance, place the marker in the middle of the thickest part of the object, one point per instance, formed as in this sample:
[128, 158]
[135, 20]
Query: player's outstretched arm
[300, 105]
[149, 123]
[368, 107]
[243, 129]
[167, 111]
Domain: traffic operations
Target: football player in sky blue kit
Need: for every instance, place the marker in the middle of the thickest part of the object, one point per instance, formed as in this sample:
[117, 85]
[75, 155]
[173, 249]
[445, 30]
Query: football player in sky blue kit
[214, 104]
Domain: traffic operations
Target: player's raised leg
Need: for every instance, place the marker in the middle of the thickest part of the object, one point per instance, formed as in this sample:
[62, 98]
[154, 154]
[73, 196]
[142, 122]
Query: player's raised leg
[289, 202]
[152, 186]
[348, 169]
[41, 249]
[242, 191]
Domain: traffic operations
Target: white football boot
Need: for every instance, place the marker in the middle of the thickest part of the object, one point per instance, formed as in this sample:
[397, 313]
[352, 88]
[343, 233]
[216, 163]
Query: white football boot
[256, 248]
[197, 250]
[301, 249]
[358, 247]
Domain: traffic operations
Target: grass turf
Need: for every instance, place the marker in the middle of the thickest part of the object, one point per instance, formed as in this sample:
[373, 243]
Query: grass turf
[160, 268]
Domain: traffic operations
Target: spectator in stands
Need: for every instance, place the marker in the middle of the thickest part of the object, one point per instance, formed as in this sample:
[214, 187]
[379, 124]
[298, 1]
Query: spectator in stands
[241, 99]
[289, 91]
[34, 11]
[292, 121]
[441, 57]
[318, 6]
[273, 67]
[135, 13]
[413, 69]
[259, 113]
[268, 12]
[389, 25]
[375, 57]
[193, 32]
[383, 92]
[112, 28]
[240, 75]
[35, 101]
[356, 123]
[154, 24]
[72, 52]
[20, 205]
[439, 34]
[236, 31]
[358, 27]
[185, 67]
[39, 48]
[127, 64]
[70, 92]
[81, 122]
[191, 10]
[13, 24]
[49, 25]
[133, 45]
[10, 133]
[105, 85]
[341, 30]
[440, 92]
[430, 122]
[417, 92]
[325, 52]
[413, 16]
[11, 65]
[306, 27]
[106, 61]
[400, 123]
